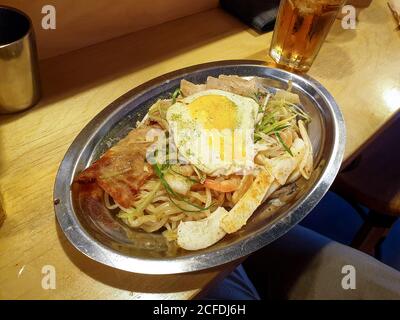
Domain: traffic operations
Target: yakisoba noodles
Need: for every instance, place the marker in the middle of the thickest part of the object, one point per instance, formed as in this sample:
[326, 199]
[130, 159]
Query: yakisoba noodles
[200, 196]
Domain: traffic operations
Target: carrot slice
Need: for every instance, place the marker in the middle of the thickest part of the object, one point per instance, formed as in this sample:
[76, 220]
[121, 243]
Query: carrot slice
[222, 186]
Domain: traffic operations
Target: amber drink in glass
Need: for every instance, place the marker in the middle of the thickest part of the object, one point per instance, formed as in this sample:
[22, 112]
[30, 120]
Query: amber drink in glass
[300, 29]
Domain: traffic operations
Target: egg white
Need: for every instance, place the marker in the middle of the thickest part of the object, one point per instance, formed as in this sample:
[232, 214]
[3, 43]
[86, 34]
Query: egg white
[202, 146]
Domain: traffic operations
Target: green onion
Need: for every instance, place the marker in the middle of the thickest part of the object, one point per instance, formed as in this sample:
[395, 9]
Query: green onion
[142, 205]
[165, 166]
[256, 97]
[200, 174]
[279, 115]
[277, 129]
[190, 179]
[283, 143]
[276, 126]
[292, 107]
[186, 210]
[300, 112]
[176, 94]
[268, 118]
[171, 192]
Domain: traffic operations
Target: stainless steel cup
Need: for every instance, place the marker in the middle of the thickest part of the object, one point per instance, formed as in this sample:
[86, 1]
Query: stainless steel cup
[19, 74]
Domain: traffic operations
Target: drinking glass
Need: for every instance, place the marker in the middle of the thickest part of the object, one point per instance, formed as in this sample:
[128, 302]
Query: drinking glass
[300, 29]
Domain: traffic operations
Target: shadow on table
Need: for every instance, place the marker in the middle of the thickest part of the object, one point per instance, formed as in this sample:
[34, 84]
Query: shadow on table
[339, 34]
[323, 68]
[77, 71]
[141, 283]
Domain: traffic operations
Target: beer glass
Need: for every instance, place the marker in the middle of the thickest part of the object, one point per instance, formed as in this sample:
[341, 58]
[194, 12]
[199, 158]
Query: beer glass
[300, 29]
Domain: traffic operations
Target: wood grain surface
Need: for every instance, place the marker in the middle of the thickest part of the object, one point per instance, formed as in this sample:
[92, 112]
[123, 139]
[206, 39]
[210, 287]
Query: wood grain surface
[359, 67]
[83, 23]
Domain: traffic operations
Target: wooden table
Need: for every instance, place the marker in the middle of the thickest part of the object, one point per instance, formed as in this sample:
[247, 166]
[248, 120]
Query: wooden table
[361, 68]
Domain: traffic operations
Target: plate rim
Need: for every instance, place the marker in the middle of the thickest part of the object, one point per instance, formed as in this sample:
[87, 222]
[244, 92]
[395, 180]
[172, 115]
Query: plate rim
[86, 244]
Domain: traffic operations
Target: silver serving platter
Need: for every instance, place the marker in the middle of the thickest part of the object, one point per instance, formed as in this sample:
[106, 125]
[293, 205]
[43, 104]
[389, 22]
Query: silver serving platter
[116, 245]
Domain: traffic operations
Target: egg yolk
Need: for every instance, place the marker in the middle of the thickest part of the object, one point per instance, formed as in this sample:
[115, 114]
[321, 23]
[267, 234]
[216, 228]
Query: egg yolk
[214, 112]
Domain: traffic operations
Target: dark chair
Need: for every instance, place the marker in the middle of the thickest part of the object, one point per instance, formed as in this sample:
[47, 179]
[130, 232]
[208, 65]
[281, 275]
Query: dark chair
[372, 180]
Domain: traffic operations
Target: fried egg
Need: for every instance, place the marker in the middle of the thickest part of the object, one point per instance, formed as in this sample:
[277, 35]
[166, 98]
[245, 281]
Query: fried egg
[213, 130]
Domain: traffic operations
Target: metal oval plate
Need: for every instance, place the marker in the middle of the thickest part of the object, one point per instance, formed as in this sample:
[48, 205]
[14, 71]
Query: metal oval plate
[117, 246]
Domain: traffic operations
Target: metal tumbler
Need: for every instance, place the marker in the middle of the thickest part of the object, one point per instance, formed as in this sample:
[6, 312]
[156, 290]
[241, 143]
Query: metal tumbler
[19, 74]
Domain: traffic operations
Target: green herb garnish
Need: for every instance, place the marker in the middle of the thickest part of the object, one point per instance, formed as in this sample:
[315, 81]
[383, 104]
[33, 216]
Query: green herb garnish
[141, 205]
[176, 94]
[258, 95]
[283, 143]
[171, 193]
[188, 178]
